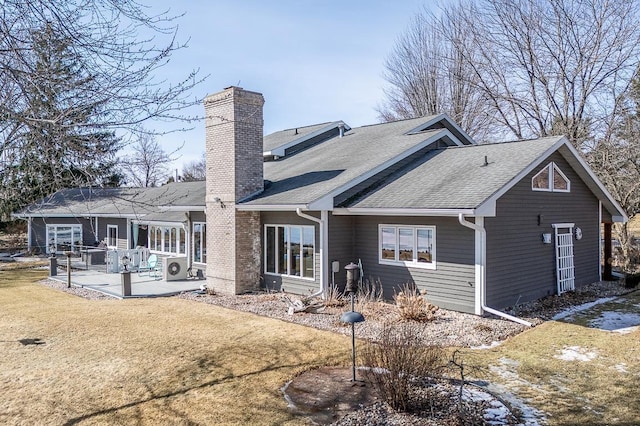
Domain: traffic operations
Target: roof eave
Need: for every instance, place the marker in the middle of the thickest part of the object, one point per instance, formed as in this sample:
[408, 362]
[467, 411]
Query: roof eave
[385, 211]
[271, 207]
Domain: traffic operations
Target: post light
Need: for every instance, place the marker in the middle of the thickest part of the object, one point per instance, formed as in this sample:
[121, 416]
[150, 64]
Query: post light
[352, 317]
[125, 262]
[52, 250]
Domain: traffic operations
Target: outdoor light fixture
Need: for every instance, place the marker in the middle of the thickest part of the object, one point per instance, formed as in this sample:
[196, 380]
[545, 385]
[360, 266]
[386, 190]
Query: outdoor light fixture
[125, 262]
[352, 317]
[52, 250]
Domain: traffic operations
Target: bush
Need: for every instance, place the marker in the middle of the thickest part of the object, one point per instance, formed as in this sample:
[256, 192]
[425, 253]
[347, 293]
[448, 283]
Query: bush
[398, 362]
[631, 280]
[369, 293]
[413, 305]
[333, 296]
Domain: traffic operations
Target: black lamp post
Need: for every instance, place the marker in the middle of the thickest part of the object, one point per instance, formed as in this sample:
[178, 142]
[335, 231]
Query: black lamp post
[352, 317]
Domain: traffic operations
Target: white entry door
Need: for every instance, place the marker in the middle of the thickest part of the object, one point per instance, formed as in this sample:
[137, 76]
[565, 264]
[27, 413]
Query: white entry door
[565, 270]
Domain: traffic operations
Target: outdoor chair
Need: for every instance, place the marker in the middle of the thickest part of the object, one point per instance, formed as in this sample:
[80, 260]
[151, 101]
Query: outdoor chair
[150, 267]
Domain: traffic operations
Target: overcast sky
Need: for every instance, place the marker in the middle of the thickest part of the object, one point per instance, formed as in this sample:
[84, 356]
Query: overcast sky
[314, 61]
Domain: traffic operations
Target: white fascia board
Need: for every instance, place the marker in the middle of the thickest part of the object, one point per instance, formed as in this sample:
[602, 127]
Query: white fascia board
[400, 212]
[280, 151]
[156, 222]
[182, 208]
[326, 201]
[271, 207]
[78, 215]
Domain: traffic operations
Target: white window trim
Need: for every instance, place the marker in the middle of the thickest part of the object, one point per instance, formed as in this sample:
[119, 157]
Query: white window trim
[409, 264]
[203, 238]
[161, 242]
[551, 168]
[277, 251]
[50, 229]
[109, 228]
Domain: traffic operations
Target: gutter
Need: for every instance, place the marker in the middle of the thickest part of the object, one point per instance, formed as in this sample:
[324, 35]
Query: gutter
[482, 278]
[324, 237]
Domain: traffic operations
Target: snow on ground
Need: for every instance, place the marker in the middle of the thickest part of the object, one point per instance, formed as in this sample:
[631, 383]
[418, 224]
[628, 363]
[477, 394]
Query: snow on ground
[492, 345]
[529, 416]
[576, 353]
[620, 322]
[622, 368]
[575, 309]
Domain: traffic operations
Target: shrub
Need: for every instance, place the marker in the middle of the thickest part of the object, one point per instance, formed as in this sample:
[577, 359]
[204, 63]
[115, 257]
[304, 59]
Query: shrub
[631, 280]
[398, 362]
[333, 296]
[369, 293]
[413, 305]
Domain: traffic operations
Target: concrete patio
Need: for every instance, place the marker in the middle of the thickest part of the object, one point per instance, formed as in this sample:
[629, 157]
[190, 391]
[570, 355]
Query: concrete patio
[142, 285]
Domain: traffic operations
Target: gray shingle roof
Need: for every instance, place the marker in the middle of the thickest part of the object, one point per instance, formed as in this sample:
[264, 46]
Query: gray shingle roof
[456, 177]
[283, 137]
[131, 202]
[321, 169]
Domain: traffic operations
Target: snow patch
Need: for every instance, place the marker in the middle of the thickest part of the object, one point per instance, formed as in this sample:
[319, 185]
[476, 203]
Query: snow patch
[576, 353]
[621, 368]
[575, 309]
[492, 345]
[620, 322]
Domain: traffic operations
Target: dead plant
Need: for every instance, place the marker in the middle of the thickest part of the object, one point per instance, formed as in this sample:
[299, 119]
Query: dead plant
[399, 362]
[333, 296]
[413, 304]
[369, 293]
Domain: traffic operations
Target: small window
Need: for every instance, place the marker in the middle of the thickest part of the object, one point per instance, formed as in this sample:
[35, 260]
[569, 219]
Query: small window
[550, 179]
[200, 242]
[112, 236]
[412, 246]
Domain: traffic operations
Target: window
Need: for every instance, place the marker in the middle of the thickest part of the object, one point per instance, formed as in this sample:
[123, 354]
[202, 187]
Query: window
[289, 250]
[550, 179]
[407, 245]
[167, 239]
[112, 236]
[200, 242]
[64, 237]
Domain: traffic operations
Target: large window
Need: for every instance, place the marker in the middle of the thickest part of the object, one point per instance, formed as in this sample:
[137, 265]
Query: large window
[200, 242]
[64, 237]
[407, 245]
[550, 179]
[167, 239]
[290, 250]
[112, 236]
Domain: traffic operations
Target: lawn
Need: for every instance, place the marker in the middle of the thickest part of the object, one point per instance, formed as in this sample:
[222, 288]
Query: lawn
[173, 361]
[146, 361]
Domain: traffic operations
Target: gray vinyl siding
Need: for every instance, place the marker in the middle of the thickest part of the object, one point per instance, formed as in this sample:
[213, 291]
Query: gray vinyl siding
[520, 267]
[286, 283]
[341, 247]
[450, 285]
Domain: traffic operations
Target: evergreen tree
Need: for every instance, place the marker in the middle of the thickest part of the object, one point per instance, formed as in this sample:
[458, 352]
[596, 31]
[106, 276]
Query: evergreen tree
[55, 147]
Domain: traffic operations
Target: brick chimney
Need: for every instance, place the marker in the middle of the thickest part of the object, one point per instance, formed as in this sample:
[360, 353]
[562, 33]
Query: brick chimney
[234, 133]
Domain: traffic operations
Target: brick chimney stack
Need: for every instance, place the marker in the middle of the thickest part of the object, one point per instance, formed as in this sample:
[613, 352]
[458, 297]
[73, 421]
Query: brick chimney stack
[234, 134]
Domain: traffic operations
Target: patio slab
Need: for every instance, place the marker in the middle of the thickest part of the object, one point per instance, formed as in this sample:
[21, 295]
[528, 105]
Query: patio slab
[141, 285]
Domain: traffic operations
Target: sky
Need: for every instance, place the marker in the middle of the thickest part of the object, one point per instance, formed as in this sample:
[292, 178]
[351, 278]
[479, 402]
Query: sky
[314, 61]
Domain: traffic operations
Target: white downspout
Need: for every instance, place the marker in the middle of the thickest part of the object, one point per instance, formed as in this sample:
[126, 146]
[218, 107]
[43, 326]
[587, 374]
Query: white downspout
[324, 239]
[481, 261]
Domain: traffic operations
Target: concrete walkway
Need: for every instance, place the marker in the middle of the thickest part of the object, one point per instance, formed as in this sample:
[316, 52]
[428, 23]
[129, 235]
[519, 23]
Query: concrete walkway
[142, 285]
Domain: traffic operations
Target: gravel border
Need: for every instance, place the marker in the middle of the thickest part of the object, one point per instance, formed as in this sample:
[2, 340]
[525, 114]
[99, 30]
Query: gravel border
[448, 328]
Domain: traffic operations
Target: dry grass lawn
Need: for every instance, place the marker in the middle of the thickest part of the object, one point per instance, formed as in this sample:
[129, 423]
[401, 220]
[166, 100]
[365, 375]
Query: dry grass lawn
[596, 383]
[171, 361]
[146, 361]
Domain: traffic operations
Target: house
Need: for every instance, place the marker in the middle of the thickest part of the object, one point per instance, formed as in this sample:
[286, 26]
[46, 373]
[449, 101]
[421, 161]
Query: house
[479, 227]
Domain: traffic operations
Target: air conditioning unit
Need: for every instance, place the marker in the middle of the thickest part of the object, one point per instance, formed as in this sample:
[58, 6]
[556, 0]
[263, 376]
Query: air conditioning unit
[174, 268]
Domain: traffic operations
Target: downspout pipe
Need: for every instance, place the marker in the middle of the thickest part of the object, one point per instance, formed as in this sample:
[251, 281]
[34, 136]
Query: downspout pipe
[483, 287]
[323, 231]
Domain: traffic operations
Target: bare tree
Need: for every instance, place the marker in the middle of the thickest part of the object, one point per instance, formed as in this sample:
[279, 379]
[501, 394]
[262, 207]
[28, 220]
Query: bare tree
[195, 170]
[429, 73]
[535, 67]
[149, 163]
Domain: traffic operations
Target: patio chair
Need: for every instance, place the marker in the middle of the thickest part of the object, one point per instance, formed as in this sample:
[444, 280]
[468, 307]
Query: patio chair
[150, 266]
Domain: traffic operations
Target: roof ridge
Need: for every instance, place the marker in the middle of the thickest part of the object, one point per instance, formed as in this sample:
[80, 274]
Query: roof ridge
[308, 125]
[398, 121]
